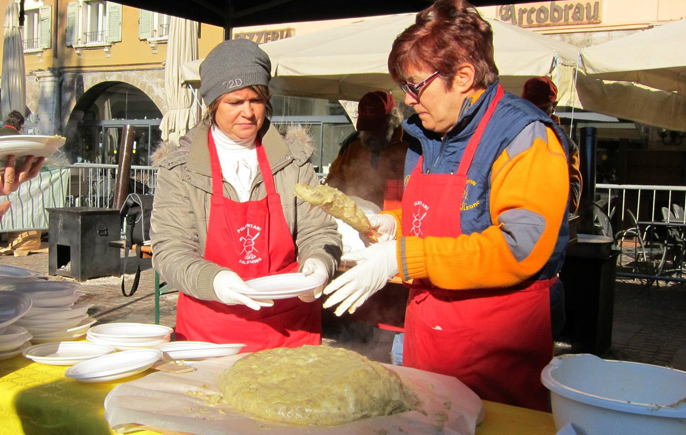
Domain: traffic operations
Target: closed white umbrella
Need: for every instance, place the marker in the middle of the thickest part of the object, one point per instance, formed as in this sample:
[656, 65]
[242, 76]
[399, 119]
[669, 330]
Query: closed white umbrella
[182, 47]
[13, 72]
[655, 58]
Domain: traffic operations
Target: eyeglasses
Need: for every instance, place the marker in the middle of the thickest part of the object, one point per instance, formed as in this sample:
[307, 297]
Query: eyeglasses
[416, 89]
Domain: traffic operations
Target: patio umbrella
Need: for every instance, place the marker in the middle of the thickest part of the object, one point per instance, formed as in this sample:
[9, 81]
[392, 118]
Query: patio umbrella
[13, 72]
[182, 47]
[655, 58]
[346, 62]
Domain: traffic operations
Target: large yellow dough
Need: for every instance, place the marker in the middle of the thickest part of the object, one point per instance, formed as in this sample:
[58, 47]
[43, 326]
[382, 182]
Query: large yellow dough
[313, 385]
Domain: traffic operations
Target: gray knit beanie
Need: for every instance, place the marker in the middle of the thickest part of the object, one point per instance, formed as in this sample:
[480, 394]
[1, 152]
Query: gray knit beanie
[233, 65]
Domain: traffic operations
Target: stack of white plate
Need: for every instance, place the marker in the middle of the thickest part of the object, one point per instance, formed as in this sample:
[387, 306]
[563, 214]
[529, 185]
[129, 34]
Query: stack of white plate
[55, 315]
[10, 275]
[128, 336]
[13, 338]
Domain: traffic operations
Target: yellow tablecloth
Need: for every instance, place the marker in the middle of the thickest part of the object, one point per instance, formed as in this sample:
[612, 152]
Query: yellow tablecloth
[37, 399]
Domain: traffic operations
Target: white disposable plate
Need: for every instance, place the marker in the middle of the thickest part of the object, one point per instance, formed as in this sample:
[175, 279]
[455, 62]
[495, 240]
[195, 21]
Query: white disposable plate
[44, 326]
[12, 353]
[125, 345]
[13, 274]
[13, 331]
[13, 305]
[29, 145]
[114, 366]
[198, 349]
[131, 332]
[15, 343]
[287, 282]
[59, 336]
[284, 286]
[65, 335]
[66, 353]
[58, 302]
[46, 289]
[57, 313]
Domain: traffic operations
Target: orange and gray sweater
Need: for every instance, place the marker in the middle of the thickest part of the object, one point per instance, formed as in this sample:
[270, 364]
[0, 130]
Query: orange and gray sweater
[514, 213]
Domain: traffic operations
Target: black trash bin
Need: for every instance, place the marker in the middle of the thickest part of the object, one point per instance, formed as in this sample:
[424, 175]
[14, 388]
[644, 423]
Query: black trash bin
[79, 240]
[588, 276]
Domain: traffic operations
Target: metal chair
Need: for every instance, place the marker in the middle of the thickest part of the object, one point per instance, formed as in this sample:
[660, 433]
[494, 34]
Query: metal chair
[647, 249]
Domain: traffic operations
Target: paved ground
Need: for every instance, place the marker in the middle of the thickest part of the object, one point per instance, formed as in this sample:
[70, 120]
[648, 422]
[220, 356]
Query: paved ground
[648, 324]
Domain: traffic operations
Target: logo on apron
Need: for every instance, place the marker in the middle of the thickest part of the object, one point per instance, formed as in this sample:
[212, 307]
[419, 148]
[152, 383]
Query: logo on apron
[249, 233]
[417, 217]
[465, 205]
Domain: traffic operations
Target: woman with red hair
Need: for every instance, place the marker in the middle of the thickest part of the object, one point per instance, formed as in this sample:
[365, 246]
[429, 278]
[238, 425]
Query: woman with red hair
[483, 225]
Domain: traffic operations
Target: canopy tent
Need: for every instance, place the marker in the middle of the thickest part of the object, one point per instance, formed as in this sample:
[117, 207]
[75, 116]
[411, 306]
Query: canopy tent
[346, 62]
[655, 58]
[13, 71]
[641, 77]
[633, 102]
[182, 47]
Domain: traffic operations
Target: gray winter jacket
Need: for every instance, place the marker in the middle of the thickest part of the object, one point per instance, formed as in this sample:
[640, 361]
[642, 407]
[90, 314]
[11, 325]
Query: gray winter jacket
[182, 205]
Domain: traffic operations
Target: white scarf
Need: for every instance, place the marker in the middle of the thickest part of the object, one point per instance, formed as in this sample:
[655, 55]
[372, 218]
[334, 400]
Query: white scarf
[238, 160]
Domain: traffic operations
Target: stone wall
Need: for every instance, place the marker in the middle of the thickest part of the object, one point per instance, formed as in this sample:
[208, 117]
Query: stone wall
[52, 95]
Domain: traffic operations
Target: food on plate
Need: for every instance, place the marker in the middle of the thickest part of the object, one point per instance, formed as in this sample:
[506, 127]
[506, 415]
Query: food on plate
[313, 385]
[338, 205]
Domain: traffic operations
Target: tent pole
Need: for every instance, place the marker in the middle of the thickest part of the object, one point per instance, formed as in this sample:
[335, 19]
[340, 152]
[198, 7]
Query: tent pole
[228, 21]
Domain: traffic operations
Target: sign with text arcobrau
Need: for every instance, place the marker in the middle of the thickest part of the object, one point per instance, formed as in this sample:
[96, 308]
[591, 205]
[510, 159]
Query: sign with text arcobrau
[266, 35]
[554, 13]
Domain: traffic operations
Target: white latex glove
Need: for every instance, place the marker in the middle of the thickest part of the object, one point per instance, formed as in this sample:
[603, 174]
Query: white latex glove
[375, 266]
[314, 266]
[228, 284]
[384, 224]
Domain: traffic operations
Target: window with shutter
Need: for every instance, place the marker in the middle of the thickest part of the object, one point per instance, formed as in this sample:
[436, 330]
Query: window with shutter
[31, 30]
[114, 14]
[72, 15]
[144, 24]
[45, 14]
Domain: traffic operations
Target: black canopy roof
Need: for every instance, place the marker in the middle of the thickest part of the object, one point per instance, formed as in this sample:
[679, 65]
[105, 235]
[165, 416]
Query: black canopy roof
[239, 13]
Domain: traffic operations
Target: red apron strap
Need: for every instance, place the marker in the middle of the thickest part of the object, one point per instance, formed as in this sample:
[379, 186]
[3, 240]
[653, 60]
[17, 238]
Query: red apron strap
[473, 144]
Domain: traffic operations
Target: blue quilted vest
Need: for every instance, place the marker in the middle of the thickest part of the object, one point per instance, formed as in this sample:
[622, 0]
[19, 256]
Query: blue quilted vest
[443, 156]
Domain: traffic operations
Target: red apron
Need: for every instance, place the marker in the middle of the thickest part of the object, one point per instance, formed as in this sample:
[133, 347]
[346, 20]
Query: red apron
[252, 239]
[496, 341]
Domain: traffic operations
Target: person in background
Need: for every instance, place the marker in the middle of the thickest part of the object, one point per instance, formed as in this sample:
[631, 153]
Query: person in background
[11, 179]
[13, 124]
[484, 221]
[225, 212]
[374, 154]
[542, 92]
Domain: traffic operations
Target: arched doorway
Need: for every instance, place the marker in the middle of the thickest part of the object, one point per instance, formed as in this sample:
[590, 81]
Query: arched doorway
[95, 126]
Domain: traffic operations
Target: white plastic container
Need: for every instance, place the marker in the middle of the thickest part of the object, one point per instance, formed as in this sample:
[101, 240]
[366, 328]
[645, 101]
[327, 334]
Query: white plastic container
[616, 397]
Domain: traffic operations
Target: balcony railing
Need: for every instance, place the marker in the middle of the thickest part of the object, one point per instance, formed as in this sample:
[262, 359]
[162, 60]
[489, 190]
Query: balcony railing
[95, 37]
[31, 44]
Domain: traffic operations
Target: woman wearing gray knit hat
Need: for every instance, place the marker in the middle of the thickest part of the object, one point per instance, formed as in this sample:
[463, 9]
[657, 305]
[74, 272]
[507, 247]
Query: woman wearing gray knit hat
[225, 213]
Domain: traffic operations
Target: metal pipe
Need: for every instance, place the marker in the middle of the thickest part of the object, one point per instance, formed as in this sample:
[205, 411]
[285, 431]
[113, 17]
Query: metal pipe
[587, 148]
[124, 168]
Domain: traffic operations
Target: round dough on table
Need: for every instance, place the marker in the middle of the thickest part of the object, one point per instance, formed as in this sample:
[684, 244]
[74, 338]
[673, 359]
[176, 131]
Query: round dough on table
[313, 385]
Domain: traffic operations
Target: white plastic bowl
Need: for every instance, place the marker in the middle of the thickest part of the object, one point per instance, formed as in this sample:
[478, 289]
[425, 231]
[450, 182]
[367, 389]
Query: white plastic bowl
[616, 397]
